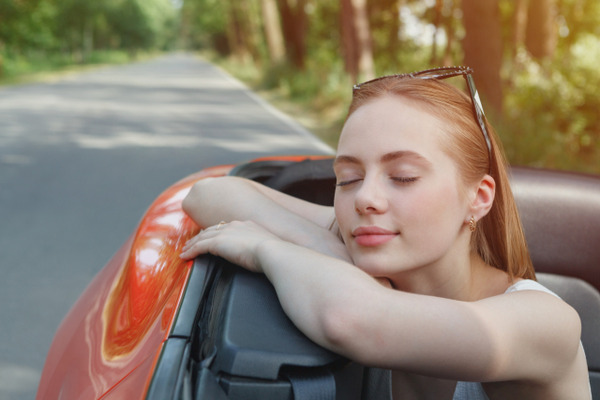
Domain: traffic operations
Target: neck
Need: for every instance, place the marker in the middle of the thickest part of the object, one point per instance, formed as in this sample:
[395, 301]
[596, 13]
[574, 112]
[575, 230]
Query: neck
[465, 278]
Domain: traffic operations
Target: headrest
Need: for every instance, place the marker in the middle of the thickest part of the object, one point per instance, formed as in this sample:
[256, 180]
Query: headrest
[560, 212]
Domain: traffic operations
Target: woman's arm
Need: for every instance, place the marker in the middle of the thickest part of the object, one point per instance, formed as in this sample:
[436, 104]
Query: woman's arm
[236, 199]
[526, 336]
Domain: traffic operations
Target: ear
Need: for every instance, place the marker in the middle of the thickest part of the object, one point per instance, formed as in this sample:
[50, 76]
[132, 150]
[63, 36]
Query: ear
[483, 198]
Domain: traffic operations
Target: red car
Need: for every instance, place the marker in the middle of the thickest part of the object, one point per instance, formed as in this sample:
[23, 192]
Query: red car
[152, 326]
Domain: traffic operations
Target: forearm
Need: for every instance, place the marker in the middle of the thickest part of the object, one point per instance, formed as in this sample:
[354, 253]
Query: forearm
[228, 199]
[317, 291]
[342, 308]
[213, 199]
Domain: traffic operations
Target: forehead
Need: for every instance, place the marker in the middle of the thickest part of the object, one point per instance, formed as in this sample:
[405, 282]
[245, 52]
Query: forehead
[391, 124]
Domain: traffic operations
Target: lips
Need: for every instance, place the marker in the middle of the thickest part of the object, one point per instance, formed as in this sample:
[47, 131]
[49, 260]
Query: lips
[371, 236]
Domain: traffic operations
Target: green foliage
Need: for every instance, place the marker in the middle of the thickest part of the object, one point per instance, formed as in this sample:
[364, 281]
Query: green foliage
[552, 114]
[51, 33]
[550, 107]
[577, 18]
[19, 67]
[205, 24]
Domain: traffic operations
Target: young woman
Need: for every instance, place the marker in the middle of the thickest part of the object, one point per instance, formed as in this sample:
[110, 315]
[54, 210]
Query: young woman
[421, 266]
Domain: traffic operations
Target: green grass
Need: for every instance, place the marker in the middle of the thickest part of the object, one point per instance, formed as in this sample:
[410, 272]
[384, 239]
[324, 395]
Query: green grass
[35, 67]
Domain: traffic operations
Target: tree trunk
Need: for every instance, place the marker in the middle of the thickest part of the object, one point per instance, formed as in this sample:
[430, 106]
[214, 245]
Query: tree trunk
[233, 31]
[366, 66]
[483, 48]
[388, 22]
[239, 32]
[294, 30]
[249, 17]
[519, 26]
[273, 31]
[437, 20]
[357, 43]
[349, 39]
[541, 30]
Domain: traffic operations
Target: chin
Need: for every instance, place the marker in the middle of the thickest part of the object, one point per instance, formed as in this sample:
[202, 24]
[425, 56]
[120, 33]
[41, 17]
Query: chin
[376, 267]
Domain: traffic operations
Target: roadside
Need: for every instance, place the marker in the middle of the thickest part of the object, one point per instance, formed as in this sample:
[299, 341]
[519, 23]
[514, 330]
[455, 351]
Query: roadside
[322, 113]
[22, 71]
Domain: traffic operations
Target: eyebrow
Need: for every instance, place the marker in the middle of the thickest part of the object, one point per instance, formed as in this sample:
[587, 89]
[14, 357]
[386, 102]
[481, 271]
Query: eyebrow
[386, 158]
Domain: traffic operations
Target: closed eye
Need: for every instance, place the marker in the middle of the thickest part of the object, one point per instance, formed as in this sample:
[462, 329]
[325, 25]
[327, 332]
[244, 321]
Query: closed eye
[404, 179]
[346, 183]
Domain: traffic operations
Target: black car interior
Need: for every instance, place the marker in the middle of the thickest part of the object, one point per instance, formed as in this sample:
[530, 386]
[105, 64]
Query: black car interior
[231, 339]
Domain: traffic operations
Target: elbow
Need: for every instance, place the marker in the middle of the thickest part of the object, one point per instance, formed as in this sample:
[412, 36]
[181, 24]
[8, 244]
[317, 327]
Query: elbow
[193, 203]
[341, 329]
[186, 204]
[336, 325]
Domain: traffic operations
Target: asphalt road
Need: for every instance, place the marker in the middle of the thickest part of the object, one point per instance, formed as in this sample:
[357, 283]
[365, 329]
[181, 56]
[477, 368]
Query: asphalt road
[81, 158]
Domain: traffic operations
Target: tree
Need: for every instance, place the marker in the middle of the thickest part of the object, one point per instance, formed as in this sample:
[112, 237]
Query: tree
[273, 31]
[204, 25]
[237, 30]
[541, 29]
[519, 25]
[349, 39]
[449, 23]
[357, 40]
[293, 18]
[437, 21]
[482, 47]
[384, 23]
[579, 18]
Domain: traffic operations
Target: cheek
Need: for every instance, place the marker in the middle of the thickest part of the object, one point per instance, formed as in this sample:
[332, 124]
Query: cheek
[434, 211]
[340, 204]
[343, 206]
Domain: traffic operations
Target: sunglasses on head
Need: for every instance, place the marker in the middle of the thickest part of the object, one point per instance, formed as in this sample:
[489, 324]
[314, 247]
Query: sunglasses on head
[444, 73]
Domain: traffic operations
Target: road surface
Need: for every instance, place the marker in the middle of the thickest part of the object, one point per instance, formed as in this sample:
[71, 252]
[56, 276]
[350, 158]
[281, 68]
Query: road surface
[81, 158]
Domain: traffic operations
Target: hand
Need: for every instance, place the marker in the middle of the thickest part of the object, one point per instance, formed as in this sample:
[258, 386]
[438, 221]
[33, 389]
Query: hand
[235, 241]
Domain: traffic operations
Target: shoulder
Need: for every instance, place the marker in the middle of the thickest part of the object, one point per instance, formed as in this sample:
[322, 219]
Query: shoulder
[539, 331]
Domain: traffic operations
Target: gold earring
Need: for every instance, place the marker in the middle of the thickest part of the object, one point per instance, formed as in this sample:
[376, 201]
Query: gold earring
[472, 224]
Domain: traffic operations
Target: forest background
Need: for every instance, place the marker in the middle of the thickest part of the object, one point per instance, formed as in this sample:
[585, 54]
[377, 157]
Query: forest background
[535, 61]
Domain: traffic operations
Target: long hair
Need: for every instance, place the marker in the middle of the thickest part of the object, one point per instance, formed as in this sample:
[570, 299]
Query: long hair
[499, 238]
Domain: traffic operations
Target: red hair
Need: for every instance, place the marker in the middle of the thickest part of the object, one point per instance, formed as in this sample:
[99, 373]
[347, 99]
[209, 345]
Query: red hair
[499, 238]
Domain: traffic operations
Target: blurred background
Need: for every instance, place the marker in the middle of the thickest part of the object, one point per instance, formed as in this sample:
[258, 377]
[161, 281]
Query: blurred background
[535, 61]
[82, 155]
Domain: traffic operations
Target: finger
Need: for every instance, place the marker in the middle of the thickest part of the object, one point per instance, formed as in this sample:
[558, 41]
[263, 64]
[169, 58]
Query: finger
[203, 234]
[195, 249]
[191, 241]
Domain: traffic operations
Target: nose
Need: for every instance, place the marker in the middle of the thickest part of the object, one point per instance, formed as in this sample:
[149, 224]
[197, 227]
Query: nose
[370, 197]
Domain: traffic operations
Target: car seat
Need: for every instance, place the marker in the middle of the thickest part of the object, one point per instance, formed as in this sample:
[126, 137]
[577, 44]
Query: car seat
[560, 212]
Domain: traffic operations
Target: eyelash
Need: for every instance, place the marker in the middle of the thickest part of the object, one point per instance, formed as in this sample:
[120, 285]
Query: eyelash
[346, 183]
[403, 180]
